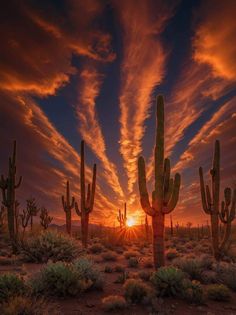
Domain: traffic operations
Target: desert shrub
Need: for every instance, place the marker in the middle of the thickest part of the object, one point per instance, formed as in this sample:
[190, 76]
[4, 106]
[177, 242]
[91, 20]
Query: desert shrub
[11, 285]
[209, 276]
[193, 292]
[119, 268]
[206, 261]
[88, 272]
[135, 290]
[218, 292]
[109, 256]
[24, 305]
[130, 254]
[190, 266]
[145, 275]
[122, 277]
[58, 279]
[227, 275]
[96, 248]
[49, 246]
[108, 269]
[133, 262]
[171, 254]
[113, 302]
[147, 263]
[168, 281]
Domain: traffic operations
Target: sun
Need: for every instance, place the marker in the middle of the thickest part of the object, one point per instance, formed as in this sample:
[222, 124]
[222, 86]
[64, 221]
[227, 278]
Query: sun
[130, 222]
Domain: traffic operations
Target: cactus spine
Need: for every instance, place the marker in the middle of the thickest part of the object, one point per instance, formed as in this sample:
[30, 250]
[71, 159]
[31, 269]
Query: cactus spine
[8, 187]
[122, 217]
[86, 200]
[227, 215]
[166, 191]
[68, 206]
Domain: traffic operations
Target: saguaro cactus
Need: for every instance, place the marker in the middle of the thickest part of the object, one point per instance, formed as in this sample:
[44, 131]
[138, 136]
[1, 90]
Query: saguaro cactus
[8, 187]
[227, 215]
[210, 200]
[122, 217]
[146, 228]
[166, 191]
[68, 206]
[86, 200]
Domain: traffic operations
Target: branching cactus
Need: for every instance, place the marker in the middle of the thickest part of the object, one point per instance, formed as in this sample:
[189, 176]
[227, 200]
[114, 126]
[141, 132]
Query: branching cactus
[122, 217]
[210, 199]
[146, 228]
[86, 199]
[45, 219]
[68, 206]
[166, 191]
[227, 215]
[8, 186]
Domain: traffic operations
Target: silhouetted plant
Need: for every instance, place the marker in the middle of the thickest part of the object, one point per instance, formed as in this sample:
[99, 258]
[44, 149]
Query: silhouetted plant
[166, 192]
[8, 186]
[45, 219]
[68, 206]
[86, 202]
[122, 217]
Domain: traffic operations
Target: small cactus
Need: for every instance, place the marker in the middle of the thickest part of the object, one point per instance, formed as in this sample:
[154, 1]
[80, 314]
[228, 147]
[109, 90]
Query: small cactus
[45, 219]
[8, 186]
[68, 206]
[166, 191]
[86, 202]
[122, 217]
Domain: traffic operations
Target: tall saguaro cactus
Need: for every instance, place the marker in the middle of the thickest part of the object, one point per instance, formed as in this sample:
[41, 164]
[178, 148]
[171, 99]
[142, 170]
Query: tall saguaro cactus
[8, 186]
[86, 199]
[68, 206]
[210, 199]
[122, 217]
[166, 190]
[227, 215]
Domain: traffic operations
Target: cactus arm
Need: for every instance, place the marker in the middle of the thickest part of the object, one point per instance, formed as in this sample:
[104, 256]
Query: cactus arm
[222, 213]
[203, 192]
[19, 182]
[168, 194]
[174, 196]
[233, 206]
[72, 203]
[144, 198]
[166, 175]
[63, 202]
[77, 209]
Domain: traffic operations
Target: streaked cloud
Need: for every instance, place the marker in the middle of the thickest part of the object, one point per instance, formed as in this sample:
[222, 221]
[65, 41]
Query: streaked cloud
[88, 89]
[142, 69]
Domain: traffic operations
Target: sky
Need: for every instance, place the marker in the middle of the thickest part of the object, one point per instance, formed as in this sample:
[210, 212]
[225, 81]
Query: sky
[73, 69]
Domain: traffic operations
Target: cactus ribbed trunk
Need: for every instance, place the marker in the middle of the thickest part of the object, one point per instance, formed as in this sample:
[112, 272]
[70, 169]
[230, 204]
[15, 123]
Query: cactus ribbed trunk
[158, 230]
[215, 235]
[68, 206]
[86, 200]
[166, 192]
[8, 187]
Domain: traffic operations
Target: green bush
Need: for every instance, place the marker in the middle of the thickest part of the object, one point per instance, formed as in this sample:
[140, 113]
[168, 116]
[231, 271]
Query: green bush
[135, 290]
[49, 245]
[218, 292]
[88, 272]
[145, 275]
[190, 266]
[108, 269]
[11, 285]
[168, 281]
[133, 262]
[227, 276]
[122, 277]
[171, 254]
[27, 305]
[193, 292]
[119, 268]
[113, 302]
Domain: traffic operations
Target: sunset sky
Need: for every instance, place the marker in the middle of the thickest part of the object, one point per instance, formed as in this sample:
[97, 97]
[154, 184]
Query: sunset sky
[75, 69]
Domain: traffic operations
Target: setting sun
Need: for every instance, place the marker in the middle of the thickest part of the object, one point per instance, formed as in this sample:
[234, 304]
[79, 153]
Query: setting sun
[130, 222]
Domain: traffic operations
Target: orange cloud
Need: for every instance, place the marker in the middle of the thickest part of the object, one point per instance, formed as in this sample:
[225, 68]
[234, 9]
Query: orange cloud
[214, 41]
[89, 127]
[142, 69]
[38, 144]
[37, 45]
